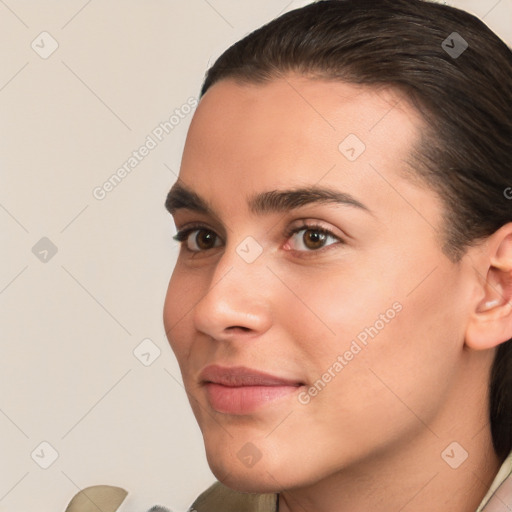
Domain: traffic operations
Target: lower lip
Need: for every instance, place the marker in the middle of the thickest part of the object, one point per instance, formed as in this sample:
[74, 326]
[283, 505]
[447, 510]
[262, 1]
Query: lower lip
[244, 399]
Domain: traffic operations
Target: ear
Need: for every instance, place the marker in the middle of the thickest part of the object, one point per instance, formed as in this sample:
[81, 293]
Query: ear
[491, 321]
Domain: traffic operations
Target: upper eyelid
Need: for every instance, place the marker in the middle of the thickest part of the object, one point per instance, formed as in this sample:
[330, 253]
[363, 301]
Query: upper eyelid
[199, 224]
[185, 231]
[303, 225]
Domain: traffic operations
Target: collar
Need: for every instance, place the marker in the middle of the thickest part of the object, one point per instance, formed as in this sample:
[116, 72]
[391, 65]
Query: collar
[499, 495]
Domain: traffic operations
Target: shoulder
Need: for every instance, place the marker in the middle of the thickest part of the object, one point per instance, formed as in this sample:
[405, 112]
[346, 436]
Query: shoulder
[219, 498]
[107, 498]
[98, 497]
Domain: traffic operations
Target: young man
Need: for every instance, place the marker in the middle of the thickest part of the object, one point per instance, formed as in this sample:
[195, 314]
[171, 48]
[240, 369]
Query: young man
[341, 305]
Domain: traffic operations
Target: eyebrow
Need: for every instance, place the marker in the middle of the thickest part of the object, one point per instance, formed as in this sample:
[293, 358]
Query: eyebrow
[181, 197]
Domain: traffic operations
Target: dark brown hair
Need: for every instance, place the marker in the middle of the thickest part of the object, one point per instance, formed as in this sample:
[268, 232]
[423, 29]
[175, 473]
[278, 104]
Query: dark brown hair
[464, 95]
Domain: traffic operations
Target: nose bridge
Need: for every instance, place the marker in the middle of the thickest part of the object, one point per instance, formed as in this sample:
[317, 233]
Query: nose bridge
[241, 267]
[237, 295]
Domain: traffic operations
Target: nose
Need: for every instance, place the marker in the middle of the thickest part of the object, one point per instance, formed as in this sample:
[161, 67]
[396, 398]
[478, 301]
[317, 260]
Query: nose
[237, 302]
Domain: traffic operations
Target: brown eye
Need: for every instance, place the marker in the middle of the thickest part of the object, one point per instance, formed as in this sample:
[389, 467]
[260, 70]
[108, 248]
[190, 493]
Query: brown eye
[203, 240]
[197, 239]
[313, 238]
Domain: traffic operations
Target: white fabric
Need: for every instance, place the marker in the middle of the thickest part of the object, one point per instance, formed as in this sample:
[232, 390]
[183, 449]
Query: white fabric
[504, 472]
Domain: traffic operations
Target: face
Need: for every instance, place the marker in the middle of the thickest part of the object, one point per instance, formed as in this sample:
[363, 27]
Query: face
[343, 297]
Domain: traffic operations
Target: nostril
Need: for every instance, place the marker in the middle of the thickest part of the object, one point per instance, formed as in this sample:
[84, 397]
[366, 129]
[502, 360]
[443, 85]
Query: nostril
[241, 327]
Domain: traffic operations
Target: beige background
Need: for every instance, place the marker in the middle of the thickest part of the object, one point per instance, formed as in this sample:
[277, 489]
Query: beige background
[70, 324]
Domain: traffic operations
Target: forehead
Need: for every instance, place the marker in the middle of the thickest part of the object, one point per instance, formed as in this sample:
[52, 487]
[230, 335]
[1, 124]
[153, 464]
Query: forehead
[294, 131]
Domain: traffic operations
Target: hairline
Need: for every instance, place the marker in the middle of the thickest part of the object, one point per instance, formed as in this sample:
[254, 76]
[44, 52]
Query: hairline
[415, 162]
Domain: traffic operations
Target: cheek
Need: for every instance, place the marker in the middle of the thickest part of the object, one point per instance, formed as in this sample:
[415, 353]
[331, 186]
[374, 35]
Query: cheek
[412, 359]
[176, 313]
[330, 308]
[391, 329]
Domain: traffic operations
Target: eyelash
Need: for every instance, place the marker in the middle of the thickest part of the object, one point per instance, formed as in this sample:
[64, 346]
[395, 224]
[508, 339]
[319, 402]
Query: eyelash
[183, 235]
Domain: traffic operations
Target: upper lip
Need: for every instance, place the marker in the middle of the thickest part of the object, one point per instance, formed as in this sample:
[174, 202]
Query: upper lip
[236, 376]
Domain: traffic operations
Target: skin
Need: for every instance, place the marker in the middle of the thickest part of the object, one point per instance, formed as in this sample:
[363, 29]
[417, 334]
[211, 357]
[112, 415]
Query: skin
[373, 438]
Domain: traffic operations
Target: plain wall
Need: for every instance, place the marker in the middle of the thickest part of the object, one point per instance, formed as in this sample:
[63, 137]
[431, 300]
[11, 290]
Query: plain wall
[71, 321]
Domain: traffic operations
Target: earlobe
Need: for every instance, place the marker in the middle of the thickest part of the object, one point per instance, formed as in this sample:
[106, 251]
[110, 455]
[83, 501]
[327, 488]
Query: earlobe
[491, 321]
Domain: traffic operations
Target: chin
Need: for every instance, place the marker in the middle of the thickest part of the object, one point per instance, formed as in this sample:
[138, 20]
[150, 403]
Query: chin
[231, 472]
[264, 477]
[249, 481]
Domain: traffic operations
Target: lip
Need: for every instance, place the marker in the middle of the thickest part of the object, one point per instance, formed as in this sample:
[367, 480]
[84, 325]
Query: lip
[241, 390]
[235, 376]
